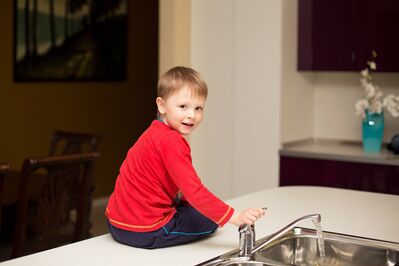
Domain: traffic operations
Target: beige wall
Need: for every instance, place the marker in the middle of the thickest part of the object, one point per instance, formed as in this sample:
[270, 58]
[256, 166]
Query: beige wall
[174, 35]
[297, 92]
[118, 111]
[257, 99]
[212, 55]
[236, 45]
[334, 106]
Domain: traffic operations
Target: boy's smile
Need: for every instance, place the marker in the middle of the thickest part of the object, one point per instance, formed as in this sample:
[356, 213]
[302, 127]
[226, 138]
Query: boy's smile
[182, 110]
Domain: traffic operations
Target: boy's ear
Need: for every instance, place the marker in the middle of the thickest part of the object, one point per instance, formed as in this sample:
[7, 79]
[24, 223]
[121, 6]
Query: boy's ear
[161, 105]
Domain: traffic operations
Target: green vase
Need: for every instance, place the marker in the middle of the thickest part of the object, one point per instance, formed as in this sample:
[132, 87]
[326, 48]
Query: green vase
[373, 132]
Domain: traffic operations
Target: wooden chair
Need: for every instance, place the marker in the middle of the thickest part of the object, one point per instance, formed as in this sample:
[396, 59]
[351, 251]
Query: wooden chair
[4, 168]
[49, 217]
[68, 142]
[64, 142]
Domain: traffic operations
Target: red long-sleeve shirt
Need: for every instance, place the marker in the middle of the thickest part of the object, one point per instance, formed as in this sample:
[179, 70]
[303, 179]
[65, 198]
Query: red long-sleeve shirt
[156, 168]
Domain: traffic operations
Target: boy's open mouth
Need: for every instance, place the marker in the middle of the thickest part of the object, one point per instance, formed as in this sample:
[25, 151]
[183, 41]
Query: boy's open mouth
[188, 124]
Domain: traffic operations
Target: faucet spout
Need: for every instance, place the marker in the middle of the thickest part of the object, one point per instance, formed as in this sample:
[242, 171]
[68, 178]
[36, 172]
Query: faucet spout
[315, 218]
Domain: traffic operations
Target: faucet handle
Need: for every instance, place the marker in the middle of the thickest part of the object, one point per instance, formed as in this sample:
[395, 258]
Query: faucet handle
[246, 228]
[247, 239]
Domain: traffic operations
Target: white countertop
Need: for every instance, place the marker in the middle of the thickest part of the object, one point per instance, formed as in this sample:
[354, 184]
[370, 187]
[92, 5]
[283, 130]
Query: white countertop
[365, 214]
[338, 150]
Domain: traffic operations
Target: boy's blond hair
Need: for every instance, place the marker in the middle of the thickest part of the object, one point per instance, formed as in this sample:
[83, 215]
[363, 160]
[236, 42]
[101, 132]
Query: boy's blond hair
[177, 77]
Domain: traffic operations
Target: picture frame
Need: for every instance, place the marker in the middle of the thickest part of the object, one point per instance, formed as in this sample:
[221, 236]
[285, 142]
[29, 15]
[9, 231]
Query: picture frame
[70, 40]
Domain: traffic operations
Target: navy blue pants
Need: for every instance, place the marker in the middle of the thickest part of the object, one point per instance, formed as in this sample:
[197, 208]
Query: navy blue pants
[186, 225]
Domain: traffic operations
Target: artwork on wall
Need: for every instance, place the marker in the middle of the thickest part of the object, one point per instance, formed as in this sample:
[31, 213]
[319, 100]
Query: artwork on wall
[70, 40]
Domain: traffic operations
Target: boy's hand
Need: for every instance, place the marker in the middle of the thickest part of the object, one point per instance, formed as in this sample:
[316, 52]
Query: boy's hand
[248, 216]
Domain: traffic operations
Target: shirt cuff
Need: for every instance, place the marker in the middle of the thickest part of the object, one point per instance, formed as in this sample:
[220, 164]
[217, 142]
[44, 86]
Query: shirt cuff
[226, 217]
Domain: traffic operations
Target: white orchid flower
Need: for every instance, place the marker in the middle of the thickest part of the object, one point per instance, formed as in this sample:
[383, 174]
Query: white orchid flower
[372, 65]
[363, 82]
[376, 107]
[377, 94]
[365, 72]
[374, 101]
[361, 106]
[392, 104]
[370, 90]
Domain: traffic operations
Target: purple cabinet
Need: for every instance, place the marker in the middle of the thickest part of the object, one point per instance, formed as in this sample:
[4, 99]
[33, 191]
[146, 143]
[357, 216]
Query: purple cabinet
[380, 178]
[340, 35]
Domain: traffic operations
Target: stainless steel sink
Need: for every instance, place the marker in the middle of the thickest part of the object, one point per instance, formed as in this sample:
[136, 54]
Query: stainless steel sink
[299, 247]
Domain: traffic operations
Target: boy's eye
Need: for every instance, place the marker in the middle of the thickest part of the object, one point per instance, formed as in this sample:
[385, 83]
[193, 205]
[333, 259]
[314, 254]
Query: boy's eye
[183, 106]
[199, 108]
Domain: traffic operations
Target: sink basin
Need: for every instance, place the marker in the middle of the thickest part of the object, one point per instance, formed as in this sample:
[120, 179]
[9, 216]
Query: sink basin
[299, 247]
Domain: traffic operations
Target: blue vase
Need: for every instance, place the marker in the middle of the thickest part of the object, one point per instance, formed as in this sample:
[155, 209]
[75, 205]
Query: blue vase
[373, 131]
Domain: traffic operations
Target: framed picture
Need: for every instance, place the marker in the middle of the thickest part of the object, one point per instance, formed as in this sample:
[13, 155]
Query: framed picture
[70, 40]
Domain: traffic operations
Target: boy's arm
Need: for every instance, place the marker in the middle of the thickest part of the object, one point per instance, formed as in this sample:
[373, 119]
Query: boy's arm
[175, 153]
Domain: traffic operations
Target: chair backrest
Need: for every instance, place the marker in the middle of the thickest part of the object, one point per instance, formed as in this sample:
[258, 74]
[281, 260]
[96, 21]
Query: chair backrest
[68, 142]
[47, 213]
[64, 142]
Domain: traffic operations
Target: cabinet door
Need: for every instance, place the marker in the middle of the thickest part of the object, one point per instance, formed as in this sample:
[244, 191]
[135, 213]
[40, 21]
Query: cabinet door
[340, 35]
[380, 25]
[295, 171]
[326, 32]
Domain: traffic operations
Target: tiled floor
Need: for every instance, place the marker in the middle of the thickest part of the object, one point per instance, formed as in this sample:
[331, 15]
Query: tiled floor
[99, 225]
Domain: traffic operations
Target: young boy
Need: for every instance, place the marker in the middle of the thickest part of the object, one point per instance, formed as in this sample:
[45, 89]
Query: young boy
[146, 209]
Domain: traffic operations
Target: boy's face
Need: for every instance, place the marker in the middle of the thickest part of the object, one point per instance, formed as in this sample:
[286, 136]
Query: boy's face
[182, 110]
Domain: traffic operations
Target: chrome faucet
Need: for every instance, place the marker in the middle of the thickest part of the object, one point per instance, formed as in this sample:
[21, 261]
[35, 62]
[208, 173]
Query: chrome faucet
[247, 235]
[247, 240]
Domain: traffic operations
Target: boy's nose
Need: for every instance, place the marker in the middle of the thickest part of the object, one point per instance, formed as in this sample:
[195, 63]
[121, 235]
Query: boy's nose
[191, 114]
